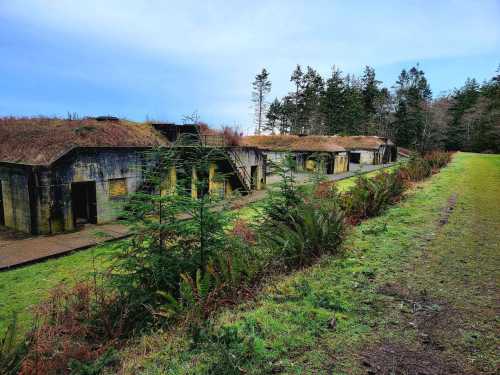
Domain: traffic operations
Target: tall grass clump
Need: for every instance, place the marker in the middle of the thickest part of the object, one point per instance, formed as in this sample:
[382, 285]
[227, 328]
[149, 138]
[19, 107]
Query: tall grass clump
[73, 328]
[437, 159]
[418, 168]
[370, 196]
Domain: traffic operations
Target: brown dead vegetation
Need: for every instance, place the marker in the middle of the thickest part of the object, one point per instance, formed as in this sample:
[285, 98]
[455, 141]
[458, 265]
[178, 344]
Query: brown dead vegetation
[311, 143]
[40, 140]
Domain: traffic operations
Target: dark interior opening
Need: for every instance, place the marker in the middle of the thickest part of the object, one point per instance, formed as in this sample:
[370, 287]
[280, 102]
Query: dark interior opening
[253, 175]
[354, 157]
[2, 217]
[202, 182]
[83, 200]
[330, 165]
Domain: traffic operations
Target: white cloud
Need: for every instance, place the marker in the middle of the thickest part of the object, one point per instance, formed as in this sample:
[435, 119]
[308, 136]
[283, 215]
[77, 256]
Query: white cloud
[231, 40]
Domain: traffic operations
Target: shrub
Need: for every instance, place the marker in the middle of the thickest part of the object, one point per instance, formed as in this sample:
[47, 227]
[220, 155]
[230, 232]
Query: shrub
[416, 169]
[437, 159]
[243, 231]
[419, 168]
[287, 196]
[225, 277]
[370, 196]
[74, 325]
[310, 231]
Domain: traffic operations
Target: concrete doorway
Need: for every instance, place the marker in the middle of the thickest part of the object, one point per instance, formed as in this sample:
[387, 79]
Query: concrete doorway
[354, 157]
[253, 175]
[2, 215]
[83, 201]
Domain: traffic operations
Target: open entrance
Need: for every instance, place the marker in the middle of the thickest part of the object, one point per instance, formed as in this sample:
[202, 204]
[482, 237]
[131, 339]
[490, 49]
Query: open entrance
[354, 157]
[2, 216]
[83, 201]
[202, 183]
[253, 175]
[330, 165]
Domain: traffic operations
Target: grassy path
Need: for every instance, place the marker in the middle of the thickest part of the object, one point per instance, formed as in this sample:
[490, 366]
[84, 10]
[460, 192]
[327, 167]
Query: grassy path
[415, 292]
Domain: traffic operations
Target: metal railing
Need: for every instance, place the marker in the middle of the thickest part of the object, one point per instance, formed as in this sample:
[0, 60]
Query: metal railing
[240, 169]
[212, 140]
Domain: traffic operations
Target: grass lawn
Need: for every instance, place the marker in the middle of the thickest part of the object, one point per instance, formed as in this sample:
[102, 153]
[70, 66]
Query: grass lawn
[414, 291]
[23, 287]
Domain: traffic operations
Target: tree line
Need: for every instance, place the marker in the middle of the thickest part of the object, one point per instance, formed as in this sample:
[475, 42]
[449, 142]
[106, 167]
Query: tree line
[466, 119]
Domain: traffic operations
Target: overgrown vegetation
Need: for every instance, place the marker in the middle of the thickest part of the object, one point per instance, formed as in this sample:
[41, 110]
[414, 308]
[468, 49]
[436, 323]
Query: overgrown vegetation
[390, 305]
[183, 271]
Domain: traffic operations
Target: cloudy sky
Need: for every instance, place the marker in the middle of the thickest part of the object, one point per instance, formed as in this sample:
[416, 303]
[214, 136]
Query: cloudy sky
[162, 59]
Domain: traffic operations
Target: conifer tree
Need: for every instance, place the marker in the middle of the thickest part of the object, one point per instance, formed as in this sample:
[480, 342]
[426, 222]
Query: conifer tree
[298, 97]
[413, 95]
[261, 87]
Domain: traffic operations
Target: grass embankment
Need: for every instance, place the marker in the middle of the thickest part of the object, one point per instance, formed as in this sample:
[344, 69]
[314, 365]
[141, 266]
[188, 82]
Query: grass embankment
[24, 287]
[415, 291]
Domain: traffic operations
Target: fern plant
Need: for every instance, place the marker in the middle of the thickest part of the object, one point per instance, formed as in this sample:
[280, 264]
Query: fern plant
[309, 232]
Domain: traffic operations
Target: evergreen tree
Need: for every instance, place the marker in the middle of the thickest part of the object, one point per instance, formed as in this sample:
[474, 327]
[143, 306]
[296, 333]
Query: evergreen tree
[371, 98]
[332, 103]
[298, 97]
[313, 88]
[287, 114]
[261, 87]
[465, 98]
[273, 116]
[370, 90]
[384, 112]
[353, 114]
[413, 95]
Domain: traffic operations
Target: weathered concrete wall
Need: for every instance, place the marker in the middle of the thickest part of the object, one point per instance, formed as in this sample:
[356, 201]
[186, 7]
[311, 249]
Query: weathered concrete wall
[341, 163]
[115, 172]
[274, 157]
[16, 198]
[54, 208]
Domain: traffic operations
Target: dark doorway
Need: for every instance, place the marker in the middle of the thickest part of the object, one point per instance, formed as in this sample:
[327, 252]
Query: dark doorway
[330, 165]
[253, 175]
[83, 201]
[2, 217]
[354, 157]
[202, 183]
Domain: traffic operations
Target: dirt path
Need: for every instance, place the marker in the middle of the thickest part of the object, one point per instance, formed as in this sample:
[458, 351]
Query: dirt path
[446, 301]
[21, 251]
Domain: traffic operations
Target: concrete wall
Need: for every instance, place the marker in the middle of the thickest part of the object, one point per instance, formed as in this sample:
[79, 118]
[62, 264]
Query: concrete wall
[16, 197]
[274, 156]
[46, 200]
[341, 163]
[310, 161]
[251, 157]
[54, 207]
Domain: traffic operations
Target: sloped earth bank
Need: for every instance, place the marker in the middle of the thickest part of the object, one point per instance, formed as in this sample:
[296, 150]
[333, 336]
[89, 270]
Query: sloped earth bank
[414, 292]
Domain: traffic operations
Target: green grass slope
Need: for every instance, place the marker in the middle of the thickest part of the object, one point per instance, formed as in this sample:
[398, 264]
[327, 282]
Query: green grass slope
[414, 291]
[21, 288]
